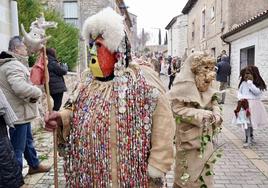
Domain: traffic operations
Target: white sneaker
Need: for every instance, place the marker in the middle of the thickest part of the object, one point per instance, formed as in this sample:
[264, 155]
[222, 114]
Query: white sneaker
[246, 145]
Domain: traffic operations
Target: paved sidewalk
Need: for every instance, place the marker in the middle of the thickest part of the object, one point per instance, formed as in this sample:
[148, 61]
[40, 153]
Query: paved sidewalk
[238, 168]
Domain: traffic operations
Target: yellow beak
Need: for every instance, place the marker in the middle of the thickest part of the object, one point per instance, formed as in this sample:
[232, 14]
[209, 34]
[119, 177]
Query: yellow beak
[94, 67]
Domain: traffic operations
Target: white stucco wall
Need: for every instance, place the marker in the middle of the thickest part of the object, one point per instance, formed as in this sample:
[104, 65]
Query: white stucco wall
[177, 37]
[5, 32]
[260, 40]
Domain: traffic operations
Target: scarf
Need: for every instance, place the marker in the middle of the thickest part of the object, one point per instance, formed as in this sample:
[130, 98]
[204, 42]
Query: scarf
[6, 110]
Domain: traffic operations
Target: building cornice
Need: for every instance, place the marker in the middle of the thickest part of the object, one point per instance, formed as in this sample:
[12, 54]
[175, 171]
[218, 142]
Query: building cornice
[253, 21]
[188, 7]
[249, 30]
[124, 12]
[173, 20]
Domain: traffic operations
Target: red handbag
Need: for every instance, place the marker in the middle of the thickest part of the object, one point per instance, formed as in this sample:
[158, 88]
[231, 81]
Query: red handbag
[37, 75]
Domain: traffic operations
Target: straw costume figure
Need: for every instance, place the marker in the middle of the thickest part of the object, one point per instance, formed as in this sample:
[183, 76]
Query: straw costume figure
[197, 116]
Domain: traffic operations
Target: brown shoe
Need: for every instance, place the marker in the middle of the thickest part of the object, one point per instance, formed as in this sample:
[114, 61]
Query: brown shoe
[39, 169]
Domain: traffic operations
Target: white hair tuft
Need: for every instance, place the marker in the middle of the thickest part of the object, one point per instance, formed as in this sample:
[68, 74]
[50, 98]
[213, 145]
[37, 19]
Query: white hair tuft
[109, 24]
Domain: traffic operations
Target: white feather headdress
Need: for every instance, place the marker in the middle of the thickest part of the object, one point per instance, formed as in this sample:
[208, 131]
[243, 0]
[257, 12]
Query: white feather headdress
[107, 23]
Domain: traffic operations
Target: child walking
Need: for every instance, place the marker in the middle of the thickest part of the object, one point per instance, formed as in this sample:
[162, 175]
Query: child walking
[250, 111]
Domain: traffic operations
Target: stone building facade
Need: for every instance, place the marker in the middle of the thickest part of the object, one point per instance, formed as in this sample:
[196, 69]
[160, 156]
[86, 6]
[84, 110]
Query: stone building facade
[134, 31]
[177, 36]
[208, 20]
[8, 22]
[77, 11]
[84, 9]
[249, 45]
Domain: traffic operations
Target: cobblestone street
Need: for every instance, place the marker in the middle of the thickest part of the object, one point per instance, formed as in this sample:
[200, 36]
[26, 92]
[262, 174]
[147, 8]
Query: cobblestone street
[238, 168]
[103, 65]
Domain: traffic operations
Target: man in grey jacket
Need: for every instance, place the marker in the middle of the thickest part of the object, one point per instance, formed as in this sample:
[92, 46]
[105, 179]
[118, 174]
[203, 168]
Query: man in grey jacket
[22, 96]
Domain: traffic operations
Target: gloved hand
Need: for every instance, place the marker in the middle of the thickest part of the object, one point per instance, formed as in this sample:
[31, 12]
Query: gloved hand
[52, 121]
[154, 173]
[208, 116]
[155, 177]
[218, 119]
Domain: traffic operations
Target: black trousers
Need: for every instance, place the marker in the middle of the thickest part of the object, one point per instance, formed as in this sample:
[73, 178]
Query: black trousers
[171, 79]
[10, 172]
[57, 101]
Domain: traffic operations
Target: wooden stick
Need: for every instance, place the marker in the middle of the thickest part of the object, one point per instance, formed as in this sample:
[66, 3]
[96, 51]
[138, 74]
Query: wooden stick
[55, 145]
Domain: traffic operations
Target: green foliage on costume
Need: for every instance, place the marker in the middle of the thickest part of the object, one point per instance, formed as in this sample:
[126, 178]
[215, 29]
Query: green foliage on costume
[208, 167]
[185, 177]
[64, 38]
[215, 97]
[179, 119]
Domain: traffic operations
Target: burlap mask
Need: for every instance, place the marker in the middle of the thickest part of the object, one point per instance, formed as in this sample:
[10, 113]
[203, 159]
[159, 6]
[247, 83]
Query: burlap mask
[185, 86]
[204, 69]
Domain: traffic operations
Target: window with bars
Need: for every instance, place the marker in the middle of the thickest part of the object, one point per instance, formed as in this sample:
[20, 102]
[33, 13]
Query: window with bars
[193, 30]
[213, 52]
[247, 56]
[212, 12]
[71, 12]
[203, 24]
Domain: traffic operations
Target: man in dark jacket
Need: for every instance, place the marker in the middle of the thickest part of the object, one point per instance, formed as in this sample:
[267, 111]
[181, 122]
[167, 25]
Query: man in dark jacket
[223, 72]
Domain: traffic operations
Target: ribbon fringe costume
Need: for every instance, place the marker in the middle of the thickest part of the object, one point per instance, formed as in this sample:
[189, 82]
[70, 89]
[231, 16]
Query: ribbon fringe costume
[116, 126]
[115, 130]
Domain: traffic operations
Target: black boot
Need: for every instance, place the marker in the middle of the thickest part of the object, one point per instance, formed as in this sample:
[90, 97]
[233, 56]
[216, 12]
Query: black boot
[248, 139]
[251, 134]
[246, 136]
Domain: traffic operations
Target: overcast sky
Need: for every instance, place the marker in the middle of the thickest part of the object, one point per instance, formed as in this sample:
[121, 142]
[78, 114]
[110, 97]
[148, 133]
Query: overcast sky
[154, 14]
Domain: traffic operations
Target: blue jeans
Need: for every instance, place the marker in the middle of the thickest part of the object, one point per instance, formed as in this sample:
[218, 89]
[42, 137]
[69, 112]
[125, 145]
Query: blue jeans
[22, 141]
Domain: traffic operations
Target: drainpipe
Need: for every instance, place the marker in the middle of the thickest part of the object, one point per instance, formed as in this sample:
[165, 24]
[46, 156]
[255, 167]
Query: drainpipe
[229, 43]
[171, 41]
[14, 18]
[221, 10]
